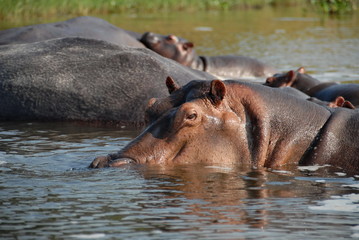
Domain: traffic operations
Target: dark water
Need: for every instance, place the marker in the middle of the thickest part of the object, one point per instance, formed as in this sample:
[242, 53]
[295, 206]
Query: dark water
[47, 192]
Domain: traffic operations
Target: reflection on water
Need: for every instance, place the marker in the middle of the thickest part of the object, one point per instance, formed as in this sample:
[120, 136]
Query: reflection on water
[48, 193]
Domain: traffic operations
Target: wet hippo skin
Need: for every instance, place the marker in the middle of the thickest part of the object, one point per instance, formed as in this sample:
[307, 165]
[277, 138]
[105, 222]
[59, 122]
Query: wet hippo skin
[237, 122]
[85, 27]
[325, 91]
[84, 80]
[225, 67]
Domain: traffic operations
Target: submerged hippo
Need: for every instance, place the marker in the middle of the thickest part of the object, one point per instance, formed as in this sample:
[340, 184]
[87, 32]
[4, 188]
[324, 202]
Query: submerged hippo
[228, 66]
[85, 27]
[83, 80]
[325, 91]
[338, 102]
[237, 122]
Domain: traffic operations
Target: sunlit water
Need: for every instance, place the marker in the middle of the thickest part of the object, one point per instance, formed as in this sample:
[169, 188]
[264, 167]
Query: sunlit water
[47, 192]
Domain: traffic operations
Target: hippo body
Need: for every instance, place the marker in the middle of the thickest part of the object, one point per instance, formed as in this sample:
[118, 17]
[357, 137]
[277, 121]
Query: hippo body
[224, 67]
[242, 123]
[324, 91]
[84, 27]
[232, 67]
[83, 80]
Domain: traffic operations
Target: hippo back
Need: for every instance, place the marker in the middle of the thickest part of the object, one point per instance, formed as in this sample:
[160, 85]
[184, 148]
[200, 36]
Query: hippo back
[235, 67]
[85, 27]
[83, 79]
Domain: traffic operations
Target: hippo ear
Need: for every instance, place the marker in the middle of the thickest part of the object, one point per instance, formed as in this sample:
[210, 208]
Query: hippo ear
[301, 70]
[291, 78]
[269, 80]
[188, 45]
[217, 92]
[341, 102]
[171, 85]
[348, 104]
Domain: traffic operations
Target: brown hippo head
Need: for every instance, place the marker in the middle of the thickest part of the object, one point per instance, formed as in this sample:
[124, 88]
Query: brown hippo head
[297, 79]
[170, 46]
[287, 79]
[230, 122]
[190, 133]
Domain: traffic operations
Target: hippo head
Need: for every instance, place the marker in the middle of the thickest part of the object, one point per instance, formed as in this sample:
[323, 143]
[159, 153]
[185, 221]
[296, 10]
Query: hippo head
[170, 46]
[337, 102]
[287, 79]
[197, 129]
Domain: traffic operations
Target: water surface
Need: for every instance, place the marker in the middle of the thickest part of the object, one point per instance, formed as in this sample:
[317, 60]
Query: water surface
[48, 192]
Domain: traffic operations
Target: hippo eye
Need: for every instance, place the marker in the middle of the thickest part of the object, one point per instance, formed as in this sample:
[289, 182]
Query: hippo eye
[192, 116]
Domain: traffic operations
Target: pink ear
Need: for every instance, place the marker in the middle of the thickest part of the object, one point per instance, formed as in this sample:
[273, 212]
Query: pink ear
[188, 45]
[172, 38]
[291, 78]
[301, 70]
[348, 104]
[151, 102]
[171, 85]
[217, 92]
[339, 101]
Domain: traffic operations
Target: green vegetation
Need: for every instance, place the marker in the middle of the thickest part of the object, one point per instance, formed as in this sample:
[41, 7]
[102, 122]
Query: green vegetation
[15, 9]
[335, 6]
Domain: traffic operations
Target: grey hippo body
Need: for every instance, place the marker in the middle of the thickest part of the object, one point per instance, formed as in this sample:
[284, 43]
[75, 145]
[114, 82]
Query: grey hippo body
[234, 122]
[224, 67]
[84, 27]
[82, 79]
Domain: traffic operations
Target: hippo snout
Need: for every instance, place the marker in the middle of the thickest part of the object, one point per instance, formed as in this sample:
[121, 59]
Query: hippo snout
[106, 161]
[121, 161]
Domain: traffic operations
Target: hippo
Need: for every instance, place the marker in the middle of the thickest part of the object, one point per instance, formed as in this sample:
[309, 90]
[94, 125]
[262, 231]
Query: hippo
[237, 122]
[84, 27]
[225, 67]
[325, 91]
[338, 102]
[86, 80]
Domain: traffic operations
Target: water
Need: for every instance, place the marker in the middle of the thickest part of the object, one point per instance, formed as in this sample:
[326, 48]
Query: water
[47, 192]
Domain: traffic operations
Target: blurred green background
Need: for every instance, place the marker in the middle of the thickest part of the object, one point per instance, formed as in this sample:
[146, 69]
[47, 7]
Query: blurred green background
[23, 9]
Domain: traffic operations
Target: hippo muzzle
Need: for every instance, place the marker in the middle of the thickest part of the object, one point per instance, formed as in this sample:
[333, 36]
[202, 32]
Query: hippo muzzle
[106, 161]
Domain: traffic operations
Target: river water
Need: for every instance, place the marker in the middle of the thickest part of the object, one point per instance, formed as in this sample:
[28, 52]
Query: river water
[47, 191]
